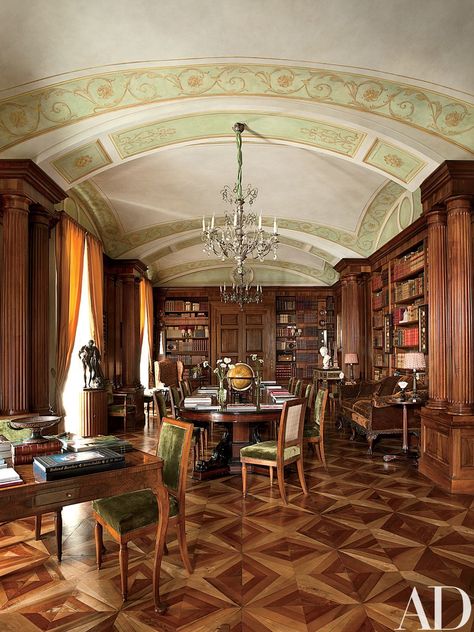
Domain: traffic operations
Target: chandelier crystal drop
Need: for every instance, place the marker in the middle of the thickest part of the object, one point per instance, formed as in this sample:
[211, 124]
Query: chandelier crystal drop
[241, 292]
[241, 236]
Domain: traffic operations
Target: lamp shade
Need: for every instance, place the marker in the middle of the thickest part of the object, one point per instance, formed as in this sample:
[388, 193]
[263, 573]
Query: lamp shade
[414, 361]
[351, 358]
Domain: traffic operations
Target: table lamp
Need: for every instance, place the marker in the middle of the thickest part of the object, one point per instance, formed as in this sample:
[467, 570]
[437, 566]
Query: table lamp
[351, 359]
[414, 361]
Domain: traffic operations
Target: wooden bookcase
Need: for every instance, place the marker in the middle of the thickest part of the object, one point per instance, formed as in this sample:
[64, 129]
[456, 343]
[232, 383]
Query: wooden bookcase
[185, 327]
[399, 309]
[312, 314]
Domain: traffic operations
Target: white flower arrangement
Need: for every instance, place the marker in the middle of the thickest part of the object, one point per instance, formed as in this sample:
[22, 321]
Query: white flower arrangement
[223, 365]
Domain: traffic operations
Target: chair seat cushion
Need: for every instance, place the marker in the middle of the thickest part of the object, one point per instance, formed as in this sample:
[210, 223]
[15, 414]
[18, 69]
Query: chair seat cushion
[131, 511]
[267, 450]
[311, 430]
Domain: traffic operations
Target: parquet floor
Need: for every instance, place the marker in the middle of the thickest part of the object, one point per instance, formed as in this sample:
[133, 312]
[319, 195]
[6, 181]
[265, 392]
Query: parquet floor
[343, 559]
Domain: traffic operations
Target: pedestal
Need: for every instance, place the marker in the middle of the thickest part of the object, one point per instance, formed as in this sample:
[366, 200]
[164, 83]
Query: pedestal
[93, 412]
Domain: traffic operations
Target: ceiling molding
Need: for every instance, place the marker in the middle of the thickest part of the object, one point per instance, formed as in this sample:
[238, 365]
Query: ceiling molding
[29, 114]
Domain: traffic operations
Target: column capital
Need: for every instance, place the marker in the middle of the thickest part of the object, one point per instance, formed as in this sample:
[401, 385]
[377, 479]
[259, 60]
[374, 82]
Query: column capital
[459, 204]
[14, 201]
[437, 216]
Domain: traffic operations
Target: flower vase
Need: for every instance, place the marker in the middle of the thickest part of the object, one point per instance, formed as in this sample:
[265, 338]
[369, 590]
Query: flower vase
[257, 392]
[222, 396]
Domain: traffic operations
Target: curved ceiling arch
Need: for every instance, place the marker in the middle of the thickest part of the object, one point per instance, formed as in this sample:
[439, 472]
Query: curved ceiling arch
[27, 114]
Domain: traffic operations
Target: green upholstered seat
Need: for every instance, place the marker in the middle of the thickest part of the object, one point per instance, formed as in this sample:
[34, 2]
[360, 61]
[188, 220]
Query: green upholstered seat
[311, 430]
[131, 511]
[267, 450]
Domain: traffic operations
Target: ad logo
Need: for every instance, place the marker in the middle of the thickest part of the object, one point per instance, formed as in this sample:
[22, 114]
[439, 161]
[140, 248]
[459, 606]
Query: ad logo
[438, 609]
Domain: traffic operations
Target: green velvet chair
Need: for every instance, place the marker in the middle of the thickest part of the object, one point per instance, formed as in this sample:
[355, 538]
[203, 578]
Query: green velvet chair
[288, 449]
[199, 433]
[313, 432]
[298, 392]
[135, 514]
[160, 405]
[291, 384]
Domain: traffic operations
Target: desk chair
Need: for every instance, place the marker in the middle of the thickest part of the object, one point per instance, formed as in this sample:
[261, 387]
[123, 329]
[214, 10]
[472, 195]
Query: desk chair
[313, 432]
[135, 514]
[288, 448]
[298, 388]
[119, 405]
[198, 434]
[291, 384]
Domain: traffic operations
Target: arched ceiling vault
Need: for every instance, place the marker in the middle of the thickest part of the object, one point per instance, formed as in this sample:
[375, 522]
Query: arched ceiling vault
[337, 152]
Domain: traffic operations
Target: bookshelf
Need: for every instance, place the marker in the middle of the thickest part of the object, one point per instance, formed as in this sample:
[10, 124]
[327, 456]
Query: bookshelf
[186, 330]
[398, 292]
[312, 316]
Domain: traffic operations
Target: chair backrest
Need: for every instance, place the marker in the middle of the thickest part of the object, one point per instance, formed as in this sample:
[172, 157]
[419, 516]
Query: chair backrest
[175, 398]
[291, 384]
[309, 394]
[186, 388]
[298, 388]
[173, 447]
[320, 402]
[160, 404]
[291, 425]
[170, 372]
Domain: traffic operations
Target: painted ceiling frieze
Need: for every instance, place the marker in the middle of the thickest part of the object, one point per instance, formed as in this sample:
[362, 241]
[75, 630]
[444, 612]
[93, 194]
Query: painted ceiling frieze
[145, 137]
[394, 161]
[327, 276]
[35, 112]
[82, 161]
[118, 243]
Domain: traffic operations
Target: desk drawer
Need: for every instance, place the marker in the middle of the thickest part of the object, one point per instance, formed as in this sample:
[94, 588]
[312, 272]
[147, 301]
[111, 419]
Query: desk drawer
[57, 497]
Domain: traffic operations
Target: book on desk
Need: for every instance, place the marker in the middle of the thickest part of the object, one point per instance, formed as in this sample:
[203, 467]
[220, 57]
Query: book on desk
[56, 466]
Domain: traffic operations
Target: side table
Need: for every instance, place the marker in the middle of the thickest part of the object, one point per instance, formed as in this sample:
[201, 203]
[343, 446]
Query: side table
[405, 452]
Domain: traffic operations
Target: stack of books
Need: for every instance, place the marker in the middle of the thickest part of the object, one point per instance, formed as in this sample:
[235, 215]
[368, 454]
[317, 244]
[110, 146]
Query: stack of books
[5, 448]
[74, 443]
[23, 453]
[56, 466]
[192, 402]
[9, 477]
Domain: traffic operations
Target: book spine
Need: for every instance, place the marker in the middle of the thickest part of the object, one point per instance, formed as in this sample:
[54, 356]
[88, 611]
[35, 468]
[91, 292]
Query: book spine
[24, 459]
[49, 475]
[48, 447]
[78, 466]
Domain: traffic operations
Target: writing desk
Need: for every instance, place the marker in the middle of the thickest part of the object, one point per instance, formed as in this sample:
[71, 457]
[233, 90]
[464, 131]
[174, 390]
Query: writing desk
[33, 498]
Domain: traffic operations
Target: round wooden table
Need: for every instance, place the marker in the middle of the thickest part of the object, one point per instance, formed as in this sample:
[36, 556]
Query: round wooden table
[241, 429]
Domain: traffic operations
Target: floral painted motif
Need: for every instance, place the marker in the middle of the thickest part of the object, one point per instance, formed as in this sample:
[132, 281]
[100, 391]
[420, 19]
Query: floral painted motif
[83, 161]
[393, 160]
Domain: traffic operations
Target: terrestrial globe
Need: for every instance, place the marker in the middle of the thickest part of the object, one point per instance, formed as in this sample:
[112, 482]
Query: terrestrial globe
[240, 377]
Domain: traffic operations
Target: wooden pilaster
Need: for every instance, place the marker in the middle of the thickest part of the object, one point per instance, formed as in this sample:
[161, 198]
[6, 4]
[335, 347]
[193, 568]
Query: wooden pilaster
[437, 283]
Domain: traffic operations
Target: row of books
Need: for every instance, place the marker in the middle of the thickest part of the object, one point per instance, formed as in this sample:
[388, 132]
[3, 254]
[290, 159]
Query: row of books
[178, 333]
[409, 264]
[183, 346]
[406, 337]
[285, 304]
[412, 287]
[178, 305]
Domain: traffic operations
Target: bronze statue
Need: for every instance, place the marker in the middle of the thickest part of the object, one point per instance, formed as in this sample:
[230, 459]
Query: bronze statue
[90, 356]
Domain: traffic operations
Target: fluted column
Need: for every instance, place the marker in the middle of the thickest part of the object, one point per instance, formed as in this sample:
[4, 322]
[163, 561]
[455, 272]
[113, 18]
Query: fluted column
[39, 279]
[137, 331]
[129, 342]
[14, 325]
[461, 288]
[437, 314]
[350, 299]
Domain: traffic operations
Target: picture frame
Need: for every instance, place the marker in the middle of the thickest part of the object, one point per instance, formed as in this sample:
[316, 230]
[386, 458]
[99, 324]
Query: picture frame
[423, 328]
[388, 333]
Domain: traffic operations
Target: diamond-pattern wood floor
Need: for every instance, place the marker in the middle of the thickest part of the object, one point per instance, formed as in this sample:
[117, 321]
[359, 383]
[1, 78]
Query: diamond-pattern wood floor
[343, 559]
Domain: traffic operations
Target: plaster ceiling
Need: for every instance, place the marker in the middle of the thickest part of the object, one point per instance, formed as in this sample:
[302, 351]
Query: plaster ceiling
[129, 107]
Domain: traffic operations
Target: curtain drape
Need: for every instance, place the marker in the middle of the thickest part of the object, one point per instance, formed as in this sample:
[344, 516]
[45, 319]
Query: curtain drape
[70, 240]
[96, 289]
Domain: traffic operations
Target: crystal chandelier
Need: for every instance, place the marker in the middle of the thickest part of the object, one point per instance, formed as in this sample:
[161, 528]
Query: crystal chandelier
[241, 292]
[241, 235]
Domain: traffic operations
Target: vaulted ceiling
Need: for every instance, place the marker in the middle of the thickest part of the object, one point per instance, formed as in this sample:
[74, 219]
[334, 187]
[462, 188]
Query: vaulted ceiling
[129, 107]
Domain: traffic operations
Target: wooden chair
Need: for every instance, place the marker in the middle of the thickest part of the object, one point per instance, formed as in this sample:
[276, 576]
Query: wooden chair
[119, 406]
[159, 404]
[291, 384]
[309, 396]
[298, 390]
[135, 514]
[198, 435]
[186, 388]
[314, 431]
[169, 372]
[288, 448]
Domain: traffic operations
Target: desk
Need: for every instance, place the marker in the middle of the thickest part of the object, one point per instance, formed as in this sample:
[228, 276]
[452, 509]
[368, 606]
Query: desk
[241, 429]
[33, 497]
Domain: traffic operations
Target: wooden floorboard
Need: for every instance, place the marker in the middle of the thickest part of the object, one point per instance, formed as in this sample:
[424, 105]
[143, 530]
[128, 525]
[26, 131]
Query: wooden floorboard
[343, 559]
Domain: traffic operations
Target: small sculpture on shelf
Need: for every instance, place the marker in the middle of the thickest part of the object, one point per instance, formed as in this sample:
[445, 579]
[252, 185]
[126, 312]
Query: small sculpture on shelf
[90, 356]
[326, 357]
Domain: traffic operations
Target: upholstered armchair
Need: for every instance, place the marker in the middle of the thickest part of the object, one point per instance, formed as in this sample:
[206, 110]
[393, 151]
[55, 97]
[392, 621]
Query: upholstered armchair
[120, 406]
[168, 372]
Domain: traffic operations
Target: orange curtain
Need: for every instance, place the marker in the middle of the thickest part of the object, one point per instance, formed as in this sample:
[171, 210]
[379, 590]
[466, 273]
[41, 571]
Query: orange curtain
[70, 239]
[149, 315]
[96, 289]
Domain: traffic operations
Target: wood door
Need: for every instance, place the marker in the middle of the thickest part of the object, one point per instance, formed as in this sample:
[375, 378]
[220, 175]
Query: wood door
[237, 334]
